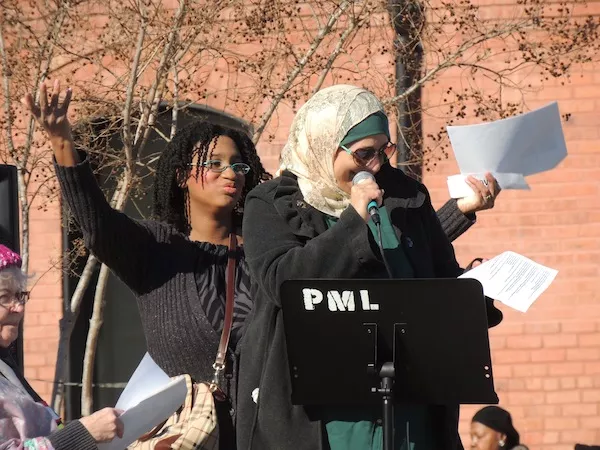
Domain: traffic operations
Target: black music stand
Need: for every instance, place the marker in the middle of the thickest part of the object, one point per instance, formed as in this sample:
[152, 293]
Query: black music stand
[365, 342]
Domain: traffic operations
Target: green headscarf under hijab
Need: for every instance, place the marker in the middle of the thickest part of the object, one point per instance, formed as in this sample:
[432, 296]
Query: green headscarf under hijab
[376, 123]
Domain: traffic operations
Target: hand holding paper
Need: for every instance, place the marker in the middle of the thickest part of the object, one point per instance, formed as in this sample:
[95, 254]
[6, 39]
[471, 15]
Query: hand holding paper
[483, 195]
[513, 279]
[511, 149]
[149, 398]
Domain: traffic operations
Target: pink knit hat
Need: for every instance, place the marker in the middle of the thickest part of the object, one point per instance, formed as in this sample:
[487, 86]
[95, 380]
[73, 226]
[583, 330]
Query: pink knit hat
[9, 258]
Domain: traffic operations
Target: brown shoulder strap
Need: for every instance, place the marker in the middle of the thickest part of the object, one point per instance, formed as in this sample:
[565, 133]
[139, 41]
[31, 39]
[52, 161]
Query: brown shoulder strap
[219, 364]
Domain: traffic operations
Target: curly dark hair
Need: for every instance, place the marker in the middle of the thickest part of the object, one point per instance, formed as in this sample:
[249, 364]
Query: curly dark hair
[171, 200]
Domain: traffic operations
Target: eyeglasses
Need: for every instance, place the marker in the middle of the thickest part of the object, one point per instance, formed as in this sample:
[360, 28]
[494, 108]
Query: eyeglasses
[364, 156]
[18, 298]
[217, 166]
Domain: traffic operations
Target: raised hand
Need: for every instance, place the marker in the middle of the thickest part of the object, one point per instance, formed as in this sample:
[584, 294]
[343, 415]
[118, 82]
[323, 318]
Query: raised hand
[52, 117]
[483, 197]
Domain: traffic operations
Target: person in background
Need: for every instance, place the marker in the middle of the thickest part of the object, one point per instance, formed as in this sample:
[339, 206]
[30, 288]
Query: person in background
[26, 421]
[492, 429]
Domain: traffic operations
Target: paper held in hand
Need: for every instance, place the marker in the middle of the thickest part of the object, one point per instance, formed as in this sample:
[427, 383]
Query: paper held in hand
[149, 398]
[510, 149]
[513, 279]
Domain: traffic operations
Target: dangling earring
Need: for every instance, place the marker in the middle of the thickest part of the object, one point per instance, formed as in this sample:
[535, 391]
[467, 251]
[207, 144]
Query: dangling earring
[501, 443]
[187, 213]
[239, 207]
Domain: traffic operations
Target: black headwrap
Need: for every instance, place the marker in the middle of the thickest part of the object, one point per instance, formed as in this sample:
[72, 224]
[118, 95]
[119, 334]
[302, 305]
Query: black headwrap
[499, 420]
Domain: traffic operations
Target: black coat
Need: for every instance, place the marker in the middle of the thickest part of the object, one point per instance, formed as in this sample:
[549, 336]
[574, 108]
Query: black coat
[286, 238]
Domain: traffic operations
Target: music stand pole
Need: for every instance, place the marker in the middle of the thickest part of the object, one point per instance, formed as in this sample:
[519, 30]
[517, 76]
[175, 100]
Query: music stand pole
[387, 374]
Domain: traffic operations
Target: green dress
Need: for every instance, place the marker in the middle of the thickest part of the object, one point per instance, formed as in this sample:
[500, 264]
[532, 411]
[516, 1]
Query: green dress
[360, 428]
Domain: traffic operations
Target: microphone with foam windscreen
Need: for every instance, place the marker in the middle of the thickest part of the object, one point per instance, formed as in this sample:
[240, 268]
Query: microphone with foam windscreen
[372, 207]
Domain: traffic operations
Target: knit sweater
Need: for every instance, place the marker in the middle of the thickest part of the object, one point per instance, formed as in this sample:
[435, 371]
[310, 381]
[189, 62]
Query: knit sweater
[453, 221]
[179, 284]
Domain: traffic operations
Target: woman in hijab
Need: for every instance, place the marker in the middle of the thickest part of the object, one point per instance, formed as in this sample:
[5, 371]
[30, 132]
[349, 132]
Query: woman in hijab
[492, 429]
[312, 222]
[26, 421]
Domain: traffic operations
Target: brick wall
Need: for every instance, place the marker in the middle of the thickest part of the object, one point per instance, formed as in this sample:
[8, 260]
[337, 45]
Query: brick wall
[44, 309]
[547, 361]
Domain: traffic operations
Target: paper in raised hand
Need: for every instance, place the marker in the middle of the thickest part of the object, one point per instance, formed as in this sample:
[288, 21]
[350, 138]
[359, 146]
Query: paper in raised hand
[510, 149]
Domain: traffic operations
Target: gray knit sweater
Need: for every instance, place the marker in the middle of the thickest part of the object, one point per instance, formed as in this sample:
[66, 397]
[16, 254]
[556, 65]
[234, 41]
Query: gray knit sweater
[179, 284]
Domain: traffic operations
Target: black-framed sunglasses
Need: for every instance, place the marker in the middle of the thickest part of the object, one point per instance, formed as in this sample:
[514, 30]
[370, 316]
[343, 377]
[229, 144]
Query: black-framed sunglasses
[214, 165]
[20, 298]
[364, 156]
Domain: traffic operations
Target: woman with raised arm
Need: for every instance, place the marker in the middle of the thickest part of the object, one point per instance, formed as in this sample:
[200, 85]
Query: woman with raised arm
[175, 265]
[312, 222]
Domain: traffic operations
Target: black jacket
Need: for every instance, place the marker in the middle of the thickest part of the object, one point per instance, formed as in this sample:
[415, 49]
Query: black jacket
[286, 238]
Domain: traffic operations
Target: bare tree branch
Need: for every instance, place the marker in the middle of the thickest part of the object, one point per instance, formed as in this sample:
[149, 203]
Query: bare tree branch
[175, 109]
[323, 32]
[353, 24]
[449, 61]
[128, 142]
[155, 93]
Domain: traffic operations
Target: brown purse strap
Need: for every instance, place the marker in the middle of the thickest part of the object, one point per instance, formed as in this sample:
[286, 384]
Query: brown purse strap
[219, 364]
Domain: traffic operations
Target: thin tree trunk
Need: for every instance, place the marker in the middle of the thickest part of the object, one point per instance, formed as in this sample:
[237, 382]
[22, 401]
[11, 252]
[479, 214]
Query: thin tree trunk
[91, 345]
[67, 323]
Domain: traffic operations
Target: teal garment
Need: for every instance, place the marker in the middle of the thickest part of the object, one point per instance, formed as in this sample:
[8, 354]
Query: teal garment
[361, 429]
[376, 123]
[350, 428]
[394, 254]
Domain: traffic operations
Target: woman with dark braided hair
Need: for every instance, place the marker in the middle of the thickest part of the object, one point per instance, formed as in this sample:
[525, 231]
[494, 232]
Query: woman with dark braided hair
[175, 265]
[171, 203]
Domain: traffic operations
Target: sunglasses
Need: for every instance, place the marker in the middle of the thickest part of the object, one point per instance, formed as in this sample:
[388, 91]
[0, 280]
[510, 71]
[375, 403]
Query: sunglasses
[364, 156]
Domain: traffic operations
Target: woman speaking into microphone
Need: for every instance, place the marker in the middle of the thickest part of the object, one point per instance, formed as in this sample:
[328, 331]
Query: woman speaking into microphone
[313, 221]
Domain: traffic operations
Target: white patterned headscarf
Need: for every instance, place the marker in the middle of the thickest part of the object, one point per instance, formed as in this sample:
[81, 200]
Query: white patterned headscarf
[315, 135]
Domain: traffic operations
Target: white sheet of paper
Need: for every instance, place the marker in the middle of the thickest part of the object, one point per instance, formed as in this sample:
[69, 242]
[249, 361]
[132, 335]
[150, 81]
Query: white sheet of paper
[513, 279]
[146, 379]
[458, 188]
[149, 398]
[511, 148]
[148, 413]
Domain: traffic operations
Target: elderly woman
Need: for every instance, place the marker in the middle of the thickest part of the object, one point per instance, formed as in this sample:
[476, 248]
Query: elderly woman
[26, 421]
[492, 429]
[312, 222]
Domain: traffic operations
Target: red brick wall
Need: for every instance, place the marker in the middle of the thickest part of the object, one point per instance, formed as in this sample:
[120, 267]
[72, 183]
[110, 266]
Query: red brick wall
[44, 309]
[547, 361]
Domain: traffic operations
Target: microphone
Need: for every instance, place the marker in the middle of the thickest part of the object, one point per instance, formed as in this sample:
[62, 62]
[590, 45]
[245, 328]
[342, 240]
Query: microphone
[372, 207]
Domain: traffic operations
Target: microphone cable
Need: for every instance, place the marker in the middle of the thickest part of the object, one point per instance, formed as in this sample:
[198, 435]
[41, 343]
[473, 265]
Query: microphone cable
[380, 243]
